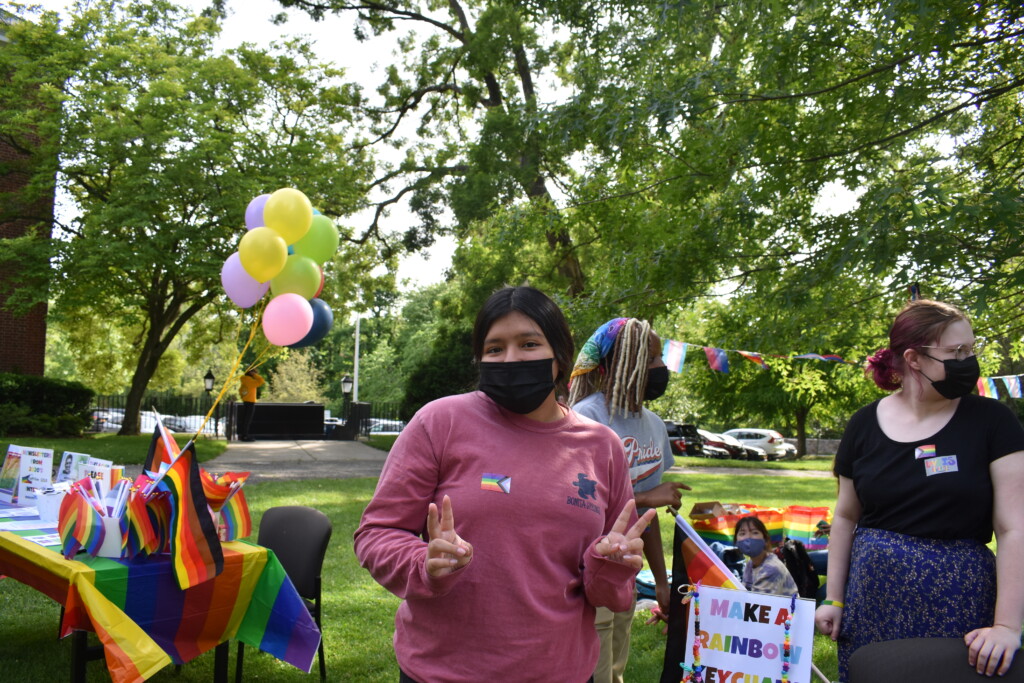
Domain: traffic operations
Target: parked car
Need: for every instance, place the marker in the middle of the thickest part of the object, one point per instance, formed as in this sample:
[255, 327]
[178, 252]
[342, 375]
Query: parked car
[790, 449]
[382, 426]
[685, 439]
[716, 446]
[767, 439]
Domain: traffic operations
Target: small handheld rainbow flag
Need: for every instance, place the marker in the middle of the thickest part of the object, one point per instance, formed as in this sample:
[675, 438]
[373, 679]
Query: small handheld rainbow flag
[80, 523]
[196, 555]
[234, 517]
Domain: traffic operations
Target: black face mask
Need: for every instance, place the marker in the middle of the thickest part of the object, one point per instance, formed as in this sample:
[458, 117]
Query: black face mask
[657, 382]
[961, 377]
[519, 386]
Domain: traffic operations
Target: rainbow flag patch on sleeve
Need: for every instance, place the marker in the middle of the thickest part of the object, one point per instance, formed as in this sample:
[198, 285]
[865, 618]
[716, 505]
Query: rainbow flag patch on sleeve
[496, 482]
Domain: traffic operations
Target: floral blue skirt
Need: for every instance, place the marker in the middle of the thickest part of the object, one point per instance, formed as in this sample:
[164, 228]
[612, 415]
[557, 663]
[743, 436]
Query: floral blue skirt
[909, 587]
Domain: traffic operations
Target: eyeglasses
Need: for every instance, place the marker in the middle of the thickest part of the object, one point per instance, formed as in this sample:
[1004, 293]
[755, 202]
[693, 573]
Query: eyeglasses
[961, 351]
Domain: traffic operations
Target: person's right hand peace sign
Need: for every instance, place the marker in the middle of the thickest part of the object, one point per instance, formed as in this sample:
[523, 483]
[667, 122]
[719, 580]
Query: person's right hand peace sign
[625, 546]
[446, 552]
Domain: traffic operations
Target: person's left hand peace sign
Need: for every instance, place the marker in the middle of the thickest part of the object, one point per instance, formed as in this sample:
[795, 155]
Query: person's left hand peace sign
[620, 545]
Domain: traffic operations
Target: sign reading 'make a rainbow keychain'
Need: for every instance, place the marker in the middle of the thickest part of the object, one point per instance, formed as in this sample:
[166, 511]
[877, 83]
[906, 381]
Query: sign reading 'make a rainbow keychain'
[743, 636]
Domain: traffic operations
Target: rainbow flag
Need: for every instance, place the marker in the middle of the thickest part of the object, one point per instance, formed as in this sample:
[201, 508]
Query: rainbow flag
[162, 449]
[1012, 383]
[496, 482]
[195, 548]
[987, 387]
[219, 490]
[143, 538]
[717, 359]
[702, 565]
[673, 353]
[235, 518]
[754, 358]
[79, 524]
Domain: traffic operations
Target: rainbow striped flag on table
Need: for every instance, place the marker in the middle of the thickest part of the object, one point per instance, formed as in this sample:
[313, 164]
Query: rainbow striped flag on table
[195, 548]
[702, 565]
[235, 518]
[162, 449]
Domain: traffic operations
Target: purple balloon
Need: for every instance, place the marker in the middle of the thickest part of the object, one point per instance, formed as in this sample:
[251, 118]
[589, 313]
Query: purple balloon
[241, 288]
[254, 212]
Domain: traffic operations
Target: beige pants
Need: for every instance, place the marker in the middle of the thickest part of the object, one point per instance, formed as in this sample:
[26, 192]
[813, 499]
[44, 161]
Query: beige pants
[613, 630]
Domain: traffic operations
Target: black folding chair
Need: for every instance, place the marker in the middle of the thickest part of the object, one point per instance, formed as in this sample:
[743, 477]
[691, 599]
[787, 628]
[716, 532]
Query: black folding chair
[298, 535]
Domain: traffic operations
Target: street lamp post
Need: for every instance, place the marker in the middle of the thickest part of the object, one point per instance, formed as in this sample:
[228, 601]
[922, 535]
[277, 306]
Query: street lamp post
[346, 392]
[208, 382]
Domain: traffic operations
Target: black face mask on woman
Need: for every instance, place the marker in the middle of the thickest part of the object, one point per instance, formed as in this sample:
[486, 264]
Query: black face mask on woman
[520, 386]
[961, 377]
[657, 382]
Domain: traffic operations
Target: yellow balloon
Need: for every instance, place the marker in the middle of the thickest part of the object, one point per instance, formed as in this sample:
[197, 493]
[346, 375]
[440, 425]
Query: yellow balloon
[263, 253]
[288, 212]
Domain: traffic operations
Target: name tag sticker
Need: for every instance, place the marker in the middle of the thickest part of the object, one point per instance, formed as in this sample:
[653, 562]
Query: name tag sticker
[940, 465]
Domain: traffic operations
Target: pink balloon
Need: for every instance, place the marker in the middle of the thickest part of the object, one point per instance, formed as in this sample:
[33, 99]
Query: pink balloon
[241, 288]
[254, 212]
[287, 319]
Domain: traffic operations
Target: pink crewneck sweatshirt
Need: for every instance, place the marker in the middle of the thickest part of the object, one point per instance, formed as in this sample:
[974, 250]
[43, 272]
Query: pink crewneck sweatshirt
[533, 499]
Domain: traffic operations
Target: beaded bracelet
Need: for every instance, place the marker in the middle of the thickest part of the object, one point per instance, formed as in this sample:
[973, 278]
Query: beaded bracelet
[834, 603]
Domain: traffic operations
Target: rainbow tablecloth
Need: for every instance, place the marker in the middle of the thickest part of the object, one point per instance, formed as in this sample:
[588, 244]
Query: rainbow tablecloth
[146, 622]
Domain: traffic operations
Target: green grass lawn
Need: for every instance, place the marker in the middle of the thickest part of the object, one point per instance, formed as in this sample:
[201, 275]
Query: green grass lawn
[358, 613]
[122, 450]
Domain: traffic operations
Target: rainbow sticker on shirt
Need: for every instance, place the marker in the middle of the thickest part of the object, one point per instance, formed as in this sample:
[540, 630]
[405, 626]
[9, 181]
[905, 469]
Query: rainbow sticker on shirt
[922, 452]
[496, 482]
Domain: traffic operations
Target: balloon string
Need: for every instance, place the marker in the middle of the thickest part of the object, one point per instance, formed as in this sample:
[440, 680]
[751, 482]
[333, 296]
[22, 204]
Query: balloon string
[232, 376]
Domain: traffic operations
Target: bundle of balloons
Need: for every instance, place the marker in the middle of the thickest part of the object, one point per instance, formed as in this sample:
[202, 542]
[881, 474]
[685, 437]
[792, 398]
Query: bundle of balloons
[283, 251]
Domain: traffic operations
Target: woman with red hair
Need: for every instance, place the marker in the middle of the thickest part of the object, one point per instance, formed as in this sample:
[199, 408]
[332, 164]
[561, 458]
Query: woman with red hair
[926, 475]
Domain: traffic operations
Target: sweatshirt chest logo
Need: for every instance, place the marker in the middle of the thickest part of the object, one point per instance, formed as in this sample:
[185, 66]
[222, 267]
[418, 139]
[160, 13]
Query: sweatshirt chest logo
[586, 489]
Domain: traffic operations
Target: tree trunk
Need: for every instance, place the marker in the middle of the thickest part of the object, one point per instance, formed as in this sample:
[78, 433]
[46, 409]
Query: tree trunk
[801, 431]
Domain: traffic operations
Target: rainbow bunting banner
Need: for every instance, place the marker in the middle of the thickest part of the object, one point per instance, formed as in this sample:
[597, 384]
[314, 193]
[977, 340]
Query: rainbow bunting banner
[717, 359]
[987, 387]
[195, 549]
[755, 358]
[1012, 384]
[702, 565]
[673, 353]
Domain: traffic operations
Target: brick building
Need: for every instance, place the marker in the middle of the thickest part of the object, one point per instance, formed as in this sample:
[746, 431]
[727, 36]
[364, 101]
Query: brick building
[22, 337]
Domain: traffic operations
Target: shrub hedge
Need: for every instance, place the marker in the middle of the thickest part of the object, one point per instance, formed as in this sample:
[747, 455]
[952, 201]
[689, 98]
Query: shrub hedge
[40, 406]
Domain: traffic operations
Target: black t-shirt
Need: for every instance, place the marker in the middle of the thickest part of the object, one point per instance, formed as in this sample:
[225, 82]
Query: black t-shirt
[938, 487]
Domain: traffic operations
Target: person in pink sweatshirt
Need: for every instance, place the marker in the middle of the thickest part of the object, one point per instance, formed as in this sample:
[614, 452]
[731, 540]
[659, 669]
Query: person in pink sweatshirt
[502, 518]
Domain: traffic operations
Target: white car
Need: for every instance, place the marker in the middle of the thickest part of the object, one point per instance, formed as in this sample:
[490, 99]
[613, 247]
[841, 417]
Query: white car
[768, 440]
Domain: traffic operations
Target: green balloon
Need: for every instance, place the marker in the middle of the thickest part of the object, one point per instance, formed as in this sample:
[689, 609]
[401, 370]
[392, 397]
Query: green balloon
[300, 276]
[320, 242]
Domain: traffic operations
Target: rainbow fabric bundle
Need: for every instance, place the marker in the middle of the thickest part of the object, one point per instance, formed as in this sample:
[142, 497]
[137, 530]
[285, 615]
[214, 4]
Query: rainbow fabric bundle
[795, 521]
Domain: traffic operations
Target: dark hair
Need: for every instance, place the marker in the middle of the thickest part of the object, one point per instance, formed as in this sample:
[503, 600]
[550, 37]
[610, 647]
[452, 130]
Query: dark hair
[757, 524]
[535, 305]
[920, 323]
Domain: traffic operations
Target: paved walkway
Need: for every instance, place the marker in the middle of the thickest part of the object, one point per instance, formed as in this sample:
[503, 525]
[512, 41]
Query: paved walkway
[278, 460]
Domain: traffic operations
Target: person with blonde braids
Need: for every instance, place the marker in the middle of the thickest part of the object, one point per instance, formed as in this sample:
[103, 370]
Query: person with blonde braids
[925, 476]
[618, 369]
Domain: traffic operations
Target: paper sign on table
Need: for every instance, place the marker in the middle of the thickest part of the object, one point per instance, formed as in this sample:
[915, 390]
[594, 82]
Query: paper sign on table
[72, 466]
[36, 467]
[10, 472]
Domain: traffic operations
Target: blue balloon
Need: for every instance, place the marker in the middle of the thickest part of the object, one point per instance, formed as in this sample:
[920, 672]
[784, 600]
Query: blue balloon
[323, 319]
